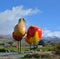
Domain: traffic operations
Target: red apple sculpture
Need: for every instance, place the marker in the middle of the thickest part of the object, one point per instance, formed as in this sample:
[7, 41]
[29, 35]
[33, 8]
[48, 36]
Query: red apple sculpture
[34, 35]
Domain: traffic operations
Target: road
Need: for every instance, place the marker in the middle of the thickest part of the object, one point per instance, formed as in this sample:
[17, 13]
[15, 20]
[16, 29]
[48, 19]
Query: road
[10, 56]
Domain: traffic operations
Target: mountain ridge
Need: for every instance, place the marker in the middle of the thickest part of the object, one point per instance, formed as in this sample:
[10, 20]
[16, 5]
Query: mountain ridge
[9, 37]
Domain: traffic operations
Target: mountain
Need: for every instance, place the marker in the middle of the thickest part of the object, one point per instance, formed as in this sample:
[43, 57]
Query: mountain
[47, 39]
[5, 37]
[52, 39]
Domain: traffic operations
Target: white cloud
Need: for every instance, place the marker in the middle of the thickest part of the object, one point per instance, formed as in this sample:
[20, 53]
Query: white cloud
[49, 33]
[9, 18]
[17, 12]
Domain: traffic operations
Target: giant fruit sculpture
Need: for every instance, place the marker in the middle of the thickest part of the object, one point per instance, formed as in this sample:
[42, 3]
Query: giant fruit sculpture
[34, 35]
[19, 30]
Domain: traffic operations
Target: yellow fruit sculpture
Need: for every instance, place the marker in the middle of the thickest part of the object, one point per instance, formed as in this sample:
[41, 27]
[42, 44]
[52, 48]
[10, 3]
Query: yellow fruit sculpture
[19, 30]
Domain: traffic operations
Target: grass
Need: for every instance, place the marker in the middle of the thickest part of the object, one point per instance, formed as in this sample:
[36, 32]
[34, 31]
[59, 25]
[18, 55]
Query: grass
[42, 48]
[47, 48]
[13, 48]
[33, 58]
[28, 48]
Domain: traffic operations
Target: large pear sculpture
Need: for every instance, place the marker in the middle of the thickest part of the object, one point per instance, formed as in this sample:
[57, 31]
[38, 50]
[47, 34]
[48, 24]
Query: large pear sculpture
[19, 30]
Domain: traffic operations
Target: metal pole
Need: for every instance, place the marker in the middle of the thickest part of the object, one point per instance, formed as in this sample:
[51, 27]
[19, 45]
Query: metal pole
[30, 47]
[20, 46]
[34, 47]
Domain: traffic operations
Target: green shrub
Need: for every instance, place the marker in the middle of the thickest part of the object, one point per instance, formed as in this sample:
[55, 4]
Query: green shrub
[2, 50]
[28, 56]
[57, 49]
[36, 55]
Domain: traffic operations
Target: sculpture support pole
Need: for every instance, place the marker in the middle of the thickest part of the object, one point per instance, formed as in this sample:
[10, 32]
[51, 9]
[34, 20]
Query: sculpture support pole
[30, 47]
[20, 46]
[34, 47]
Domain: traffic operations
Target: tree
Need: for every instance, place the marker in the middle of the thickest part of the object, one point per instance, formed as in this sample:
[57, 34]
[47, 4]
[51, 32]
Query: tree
[41, 42]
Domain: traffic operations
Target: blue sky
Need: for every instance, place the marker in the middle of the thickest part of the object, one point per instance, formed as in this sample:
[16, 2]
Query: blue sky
[42, 13]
